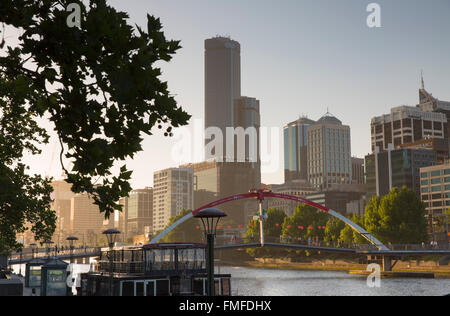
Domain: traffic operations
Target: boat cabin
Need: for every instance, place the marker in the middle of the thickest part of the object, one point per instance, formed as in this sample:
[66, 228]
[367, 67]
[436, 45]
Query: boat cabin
[166, 269]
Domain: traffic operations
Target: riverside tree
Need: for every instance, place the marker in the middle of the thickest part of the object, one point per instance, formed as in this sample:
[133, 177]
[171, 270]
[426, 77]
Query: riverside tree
[333, 230]
[309, 219]
[272, 229]
[398, 217]
[98, 85]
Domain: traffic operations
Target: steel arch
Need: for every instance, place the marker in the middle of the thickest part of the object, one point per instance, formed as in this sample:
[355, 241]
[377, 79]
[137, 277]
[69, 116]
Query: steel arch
[261, 195]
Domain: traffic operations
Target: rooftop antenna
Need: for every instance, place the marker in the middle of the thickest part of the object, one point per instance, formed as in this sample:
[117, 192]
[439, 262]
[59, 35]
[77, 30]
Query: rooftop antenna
[421, 77]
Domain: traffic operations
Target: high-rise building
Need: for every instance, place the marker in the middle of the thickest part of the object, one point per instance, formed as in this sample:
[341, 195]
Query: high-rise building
[329, 152]
[86, 221]
[428, 103]
[296, 149]
[236, 167]
[139, 212]
[357, 170]
[122, 218]
[247, 116]
[62, 194]
[396, 168]
[406, 124]
[216, 180]
[222, 84]
[172, 192]
[439, 145]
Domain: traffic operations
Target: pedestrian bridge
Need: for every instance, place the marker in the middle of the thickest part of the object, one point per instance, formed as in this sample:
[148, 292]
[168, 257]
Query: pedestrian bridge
[76, 253]
[395, 252]
[285, 245]
[260, 195]
[364, 249]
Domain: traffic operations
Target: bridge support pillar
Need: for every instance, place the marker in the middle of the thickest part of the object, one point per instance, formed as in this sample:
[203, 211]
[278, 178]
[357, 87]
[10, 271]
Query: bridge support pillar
[387, 263]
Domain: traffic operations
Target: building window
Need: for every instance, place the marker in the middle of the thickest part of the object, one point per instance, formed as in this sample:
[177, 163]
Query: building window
[436, 188]
[435, 180]
[436, 173]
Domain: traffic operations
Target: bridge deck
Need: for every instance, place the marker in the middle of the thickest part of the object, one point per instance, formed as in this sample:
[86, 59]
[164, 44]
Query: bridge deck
[19, 258]
[287, 245]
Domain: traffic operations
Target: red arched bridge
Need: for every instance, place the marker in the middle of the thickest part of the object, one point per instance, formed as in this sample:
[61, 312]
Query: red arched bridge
[260, 195]
[377, 248]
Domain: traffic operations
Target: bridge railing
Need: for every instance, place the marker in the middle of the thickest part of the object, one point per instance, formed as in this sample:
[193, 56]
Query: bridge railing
[419, 247]
[43, 253]
[331, 244]
[120, 267]
[298, 241]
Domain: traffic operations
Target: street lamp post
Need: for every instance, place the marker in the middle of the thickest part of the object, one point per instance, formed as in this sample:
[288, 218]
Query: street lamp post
[47, 244]
[71, 240]
[111, 235]
[33, 247]
[210, 218]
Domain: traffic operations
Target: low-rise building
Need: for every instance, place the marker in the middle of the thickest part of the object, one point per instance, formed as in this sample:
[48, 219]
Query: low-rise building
[338, 196]
[435, 193]
[357, 207]
[299, 188]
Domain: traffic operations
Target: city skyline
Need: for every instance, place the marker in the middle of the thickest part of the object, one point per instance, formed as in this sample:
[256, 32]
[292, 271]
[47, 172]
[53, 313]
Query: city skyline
[224, 148]
[380, 81]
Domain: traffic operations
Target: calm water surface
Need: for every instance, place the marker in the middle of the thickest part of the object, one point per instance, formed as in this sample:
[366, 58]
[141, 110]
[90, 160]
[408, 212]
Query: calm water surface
[268, 282]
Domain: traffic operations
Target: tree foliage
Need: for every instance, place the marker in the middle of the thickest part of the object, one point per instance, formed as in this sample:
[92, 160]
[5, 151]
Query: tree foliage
[333, 230]
[346, 236]
[398, 217]
[274, 217]
[98, 85]
[307, 217]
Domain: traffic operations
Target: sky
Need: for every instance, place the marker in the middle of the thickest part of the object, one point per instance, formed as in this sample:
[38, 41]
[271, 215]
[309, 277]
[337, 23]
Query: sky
[298, 57]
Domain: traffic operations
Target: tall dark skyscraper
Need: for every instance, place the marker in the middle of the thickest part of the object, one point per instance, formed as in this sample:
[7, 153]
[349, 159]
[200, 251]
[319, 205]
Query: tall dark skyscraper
[225, 107]
[222, 83]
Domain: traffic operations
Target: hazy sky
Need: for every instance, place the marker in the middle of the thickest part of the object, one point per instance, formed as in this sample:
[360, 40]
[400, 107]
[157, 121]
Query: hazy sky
[298, 57]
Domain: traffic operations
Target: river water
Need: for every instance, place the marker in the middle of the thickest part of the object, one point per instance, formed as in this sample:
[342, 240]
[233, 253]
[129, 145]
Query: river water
[271, 282]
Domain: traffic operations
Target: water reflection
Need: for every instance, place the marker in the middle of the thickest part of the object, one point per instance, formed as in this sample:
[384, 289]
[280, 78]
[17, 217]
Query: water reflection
[268, 282]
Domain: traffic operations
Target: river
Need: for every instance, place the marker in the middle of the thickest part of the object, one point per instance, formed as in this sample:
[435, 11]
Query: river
[271, 282]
